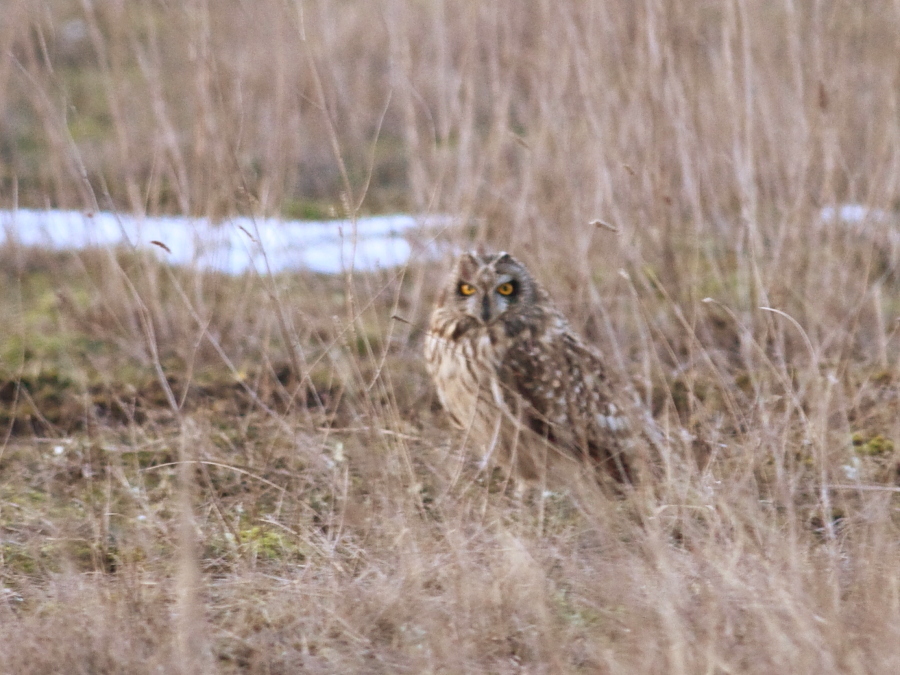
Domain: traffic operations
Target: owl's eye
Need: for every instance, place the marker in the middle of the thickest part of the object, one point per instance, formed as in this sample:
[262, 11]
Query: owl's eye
[466, 289]
[506, 289]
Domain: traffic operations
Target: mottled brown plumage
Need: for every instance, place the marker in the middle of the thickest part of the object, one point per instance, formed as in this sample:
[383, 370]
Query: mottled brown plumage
[511, 373]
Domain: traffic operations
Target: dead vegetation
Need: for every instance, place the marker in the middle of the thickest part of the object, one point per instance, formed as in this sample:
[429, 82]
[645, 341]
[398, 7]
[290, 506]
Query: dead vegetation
[203, 473]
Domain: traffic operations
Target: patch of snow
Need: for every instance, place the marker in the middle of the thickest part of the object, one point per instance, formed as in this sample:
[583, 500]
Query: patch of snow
[233, 246]
[880, 227]
[851, 470]
[853, 213]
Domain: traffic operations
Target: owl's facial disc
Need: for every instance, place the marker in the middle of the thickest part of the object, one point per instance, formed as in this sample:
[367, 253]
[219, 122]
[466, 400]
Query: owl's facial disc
[487, 306]
[485, 287]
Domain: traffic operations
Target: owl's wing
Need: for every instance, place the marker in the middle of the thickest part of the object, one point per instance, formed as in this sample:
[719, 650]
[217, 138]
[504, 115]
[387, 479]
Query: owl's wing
[559, 390]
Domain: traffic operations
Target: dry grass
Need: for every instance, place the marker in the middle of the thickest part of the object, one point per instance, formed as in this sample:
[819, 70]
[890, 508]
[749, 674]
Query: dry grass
[210, 474]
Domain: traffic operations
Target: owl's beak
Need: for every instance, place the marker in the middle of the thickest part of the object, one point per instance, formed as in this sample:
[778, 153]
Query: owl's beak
[485, 309]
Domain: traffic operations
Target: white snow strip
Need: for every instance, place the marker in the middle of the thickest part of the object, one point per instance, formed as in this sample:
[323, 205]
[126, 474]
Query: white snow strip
[876, 225]
[233, 246]
[853, 213]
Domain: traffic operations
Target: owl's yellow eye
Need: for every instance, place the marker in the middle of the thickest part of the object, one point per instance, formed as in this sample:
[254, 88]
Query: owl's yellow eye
[506, 289]
[466, 289]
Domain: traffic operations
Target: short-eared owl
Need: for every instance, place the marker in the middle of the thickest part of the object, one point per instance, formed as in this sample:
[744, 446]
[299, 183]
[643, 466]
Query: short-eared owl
[512, 374]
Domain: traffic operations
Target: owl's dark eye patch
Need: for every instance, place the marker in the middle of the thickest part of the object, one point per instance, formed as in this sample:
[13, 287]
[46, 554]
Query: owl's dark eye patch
[465, 289]
[508, 289]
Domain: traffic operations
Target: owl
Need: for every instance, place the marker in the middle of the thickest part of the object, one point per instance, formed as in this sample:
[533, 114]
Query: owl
[512, 374]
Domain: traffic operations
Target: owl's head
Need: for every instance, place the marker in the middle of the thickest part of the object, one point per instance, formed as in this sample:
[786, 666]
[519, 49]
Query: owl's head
[488, 286]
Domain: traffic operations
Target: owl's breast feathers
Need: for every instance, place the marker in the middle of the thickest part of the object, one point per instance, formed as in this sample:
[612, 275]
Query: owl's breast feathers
[461, 354]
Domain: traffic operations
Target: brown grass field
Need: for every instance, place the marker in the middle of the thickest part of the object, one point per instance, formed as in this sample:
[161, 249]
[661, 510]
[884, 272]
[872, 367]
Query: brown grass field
[202, 473]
